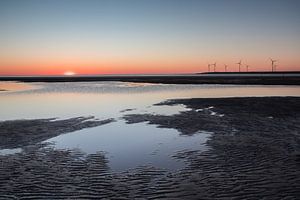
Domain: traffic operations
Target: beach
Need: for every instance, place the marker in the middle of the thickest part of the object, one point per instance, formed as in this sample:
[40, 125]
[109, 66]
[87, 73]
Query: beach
[253, 153]
[149, 100]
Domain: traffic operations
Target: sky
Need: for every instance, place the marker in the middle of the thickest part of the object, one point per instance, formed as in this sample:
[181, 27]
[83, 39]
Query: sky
[54, 37]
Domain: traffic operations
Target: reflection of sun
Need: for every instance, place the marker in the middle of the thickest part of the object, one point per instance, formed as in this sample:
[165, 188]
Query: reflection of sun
[69, 73]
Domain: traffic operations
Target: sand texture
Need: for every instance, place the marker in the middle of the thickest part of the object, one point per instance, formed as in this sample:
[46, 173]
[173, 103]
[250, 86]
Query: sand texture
[253, 154]
[19, 133]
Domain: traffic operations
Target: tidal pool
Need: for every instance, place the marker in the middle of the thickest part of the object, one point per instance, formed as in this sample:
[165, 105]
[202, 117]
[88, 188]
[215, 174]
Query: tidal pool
[124, 145]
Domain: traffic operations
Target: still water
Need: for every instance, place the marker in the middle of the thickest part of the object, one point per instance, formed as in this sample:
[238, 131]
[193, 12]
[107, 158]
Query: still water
[125, 145]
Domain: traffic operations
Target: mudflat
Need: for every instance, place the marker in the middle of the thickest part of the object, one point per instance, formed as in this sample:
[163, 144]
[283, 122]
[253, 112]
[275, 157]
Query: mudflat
[254, 153]
[20, 133]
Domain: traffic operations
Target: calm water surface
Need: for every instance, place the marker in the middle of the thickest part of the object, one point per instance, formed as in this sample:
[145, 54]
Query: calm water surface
[126, 146]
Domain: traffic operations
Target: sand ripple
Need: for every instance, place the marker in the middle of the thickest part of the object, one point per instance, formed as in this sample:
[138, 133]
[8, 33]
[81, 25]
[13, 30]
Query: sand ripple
[250, 156]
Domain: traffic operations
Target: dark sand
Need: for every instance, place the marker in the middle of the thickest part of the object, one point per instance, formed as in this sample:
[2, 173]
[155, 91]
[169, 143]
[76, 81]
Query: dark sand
[253, 154]
[260, 78]
[19, 133]
[254, 151]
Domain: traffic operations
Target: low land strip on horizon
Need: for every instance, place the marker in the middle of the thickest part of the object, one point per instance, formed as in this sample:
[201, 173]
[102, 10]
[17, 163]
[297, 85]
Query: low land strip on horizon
[251, 78]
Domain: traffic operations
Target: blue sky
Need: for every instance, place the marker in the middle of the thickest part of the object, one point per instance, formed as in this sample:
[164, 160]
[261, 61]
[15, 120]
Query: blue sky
[146, 35]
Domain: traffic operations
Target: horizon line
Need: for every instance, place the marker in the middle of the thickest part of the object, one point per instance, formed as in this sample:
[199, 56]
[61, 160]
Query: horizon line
[149, 74]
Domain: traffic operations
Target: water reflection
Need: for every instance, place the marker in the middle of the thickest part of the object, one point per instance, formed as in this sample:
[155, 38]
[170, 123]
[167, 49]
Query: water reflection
[11, 86]
[10, 151]
[126, 146]
[129, 146]
[107, 99]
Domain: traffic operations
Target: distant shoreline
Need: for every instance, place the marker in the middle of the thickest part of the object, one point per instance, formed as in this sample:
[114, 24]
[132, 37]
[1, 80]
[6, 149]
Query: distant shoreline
[254, 72]
[238, 78]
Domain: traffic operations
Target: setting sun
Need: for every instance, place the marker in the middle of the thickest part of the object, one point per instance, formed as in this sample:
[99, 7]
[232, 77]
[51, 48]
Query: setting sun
[69, 73]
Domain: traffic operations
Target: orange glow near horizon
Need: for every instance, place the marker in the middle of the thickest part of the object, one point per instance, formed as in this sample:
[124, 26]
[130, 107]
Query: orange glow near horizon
[134, 67]
[147, 37]
[178, 61]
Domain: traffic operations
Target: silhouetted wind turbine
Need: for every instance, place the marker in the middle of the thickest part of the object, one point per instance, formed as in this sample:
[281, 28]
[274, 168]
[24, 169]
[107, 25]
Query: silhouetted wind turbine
[215, 65]
[273, 62]
[225, 66]
[239, 63]
[208, 67]
[247, 68]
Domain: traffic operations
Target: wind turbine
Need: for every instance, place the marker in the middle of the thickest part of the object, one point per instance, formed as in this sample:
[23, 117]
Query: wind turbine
[225, 68]
[215, 65]
[247, 68]
[239, 63]
[208, 67]
[273, 62]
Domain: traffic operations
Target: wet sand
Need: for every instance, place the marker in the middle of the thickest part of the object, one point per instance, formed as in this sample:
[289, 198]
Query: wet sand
[20, 133]
[254, 153]
[254, 149]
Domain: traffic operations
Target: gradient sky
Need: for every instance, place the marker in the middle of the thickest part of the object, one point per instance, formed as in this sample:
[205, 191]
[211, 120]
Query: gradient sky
[49, 37]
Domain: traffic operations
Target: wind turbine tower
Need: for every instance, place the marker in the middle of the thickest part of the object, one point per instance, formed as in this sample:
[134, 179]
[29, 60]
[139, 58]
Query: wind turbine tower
[208, 67]
[215, 65]
[225, 66]
[247, 68]
[239, 63]
[273, 64]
